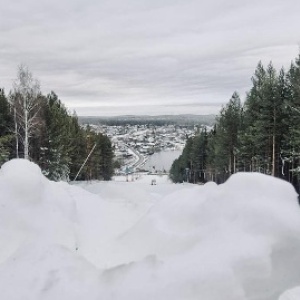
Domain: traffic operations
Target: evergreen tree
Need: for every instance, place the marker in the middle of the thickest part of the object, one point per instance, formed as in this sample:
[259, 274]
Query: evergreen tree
[6, 128]
[191, 165]
[55, 158]
[291, 141]
[272, 115]
[263, 119]
[183, 166]
[6, 120]
[226, 138]
[177, 170]
[78, 147]
[253, 141]
[106, 157]
[199, 156]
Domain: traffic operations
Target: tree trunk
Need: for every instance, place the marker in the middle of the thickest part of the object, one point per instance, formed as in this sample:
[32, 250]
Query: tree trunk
[26, 146]
[273, 156]
[274, 144]
[16, 132]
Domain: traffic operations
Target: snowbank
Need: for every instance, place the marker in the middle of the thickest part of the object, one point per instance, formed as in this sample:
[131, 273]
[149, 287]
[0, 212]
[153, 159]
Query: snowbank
[293, 294]
[239, 240]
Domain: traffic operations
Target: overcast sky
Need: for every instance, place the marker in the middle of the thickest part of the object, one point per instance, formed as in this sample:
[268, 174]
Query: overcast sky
[109, 57]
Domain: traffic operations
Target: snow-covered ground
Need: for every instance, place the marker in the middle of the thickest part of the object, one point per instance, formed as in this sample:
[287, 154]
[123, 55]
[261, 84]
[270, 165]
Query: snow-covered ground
[133, 240]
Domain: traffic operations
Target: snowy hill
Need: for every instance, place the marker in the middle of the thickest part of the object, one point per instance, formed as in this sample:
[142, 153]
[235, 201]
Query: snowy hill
[133, 240]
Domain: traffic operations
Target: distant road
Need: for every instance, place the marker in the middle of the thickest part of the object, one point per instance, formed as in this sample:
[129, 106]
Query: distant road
[140, 158]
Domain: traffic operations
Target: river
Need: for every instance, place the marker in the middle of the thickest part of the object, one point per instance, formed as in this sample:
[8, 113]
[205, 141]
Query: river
[161, 160]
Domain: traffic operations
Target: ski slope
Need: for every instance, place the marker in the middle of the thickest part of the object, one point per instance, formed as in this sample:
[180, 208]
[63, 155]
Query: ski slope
[133, 240]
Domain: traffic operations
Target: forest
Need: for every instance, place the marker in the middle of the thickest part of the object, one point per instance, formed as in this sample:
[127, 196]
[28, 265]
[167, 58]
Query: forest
[40, 128]
[262, 134]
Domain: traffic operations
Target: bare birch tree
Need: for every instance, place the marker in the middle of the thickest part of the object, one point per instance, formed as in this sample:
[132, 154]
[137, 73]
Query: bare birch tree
[25, 102]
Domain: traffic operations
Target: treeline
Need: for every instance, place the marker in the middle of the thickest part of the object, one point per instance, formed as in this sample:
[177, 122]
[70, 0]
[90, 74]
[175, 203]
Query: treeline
[39, 128]
[161, 120]
[260, 135]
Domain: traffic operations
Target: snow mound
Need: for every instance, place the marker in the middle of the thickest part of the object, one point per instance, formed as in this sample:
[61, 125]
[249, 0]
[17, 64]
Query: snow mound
[42, 271]
[238, 241]
[292, 294]
[23, 180]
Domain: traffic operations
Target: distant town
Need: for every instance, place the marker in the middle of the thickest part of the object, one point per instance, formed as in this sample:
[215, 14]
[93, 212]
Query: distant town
[135, 143]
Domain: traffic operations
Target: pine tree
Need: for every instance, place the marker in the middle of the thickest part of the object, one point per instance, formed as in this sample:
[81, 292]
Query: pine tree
[106, 157]
[78, 148]
[55, 156]
[226, 138]
[199, 156]
[6, 120]
[291, 141]
[6, 128]
[183, 167]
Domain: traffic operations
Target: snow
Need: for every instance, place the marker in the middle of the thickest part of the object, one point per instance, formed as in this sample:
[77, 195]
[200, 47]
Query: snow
[293, 294]
[133, 240]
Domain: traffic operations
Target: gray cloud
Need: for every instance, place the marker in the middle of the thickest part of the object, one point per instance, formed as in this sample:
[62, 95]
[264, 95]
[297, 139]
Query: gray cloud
[148, 52]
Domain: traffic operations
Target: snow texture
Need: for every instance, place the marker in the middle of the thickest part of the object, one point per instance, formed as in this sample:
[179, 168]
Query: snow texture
[292, 294]
[130, 240]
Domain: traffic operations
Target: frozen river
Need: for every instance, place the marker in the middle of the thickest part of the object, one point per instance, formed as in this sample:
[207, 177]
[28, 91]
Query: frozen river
[162, 160]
